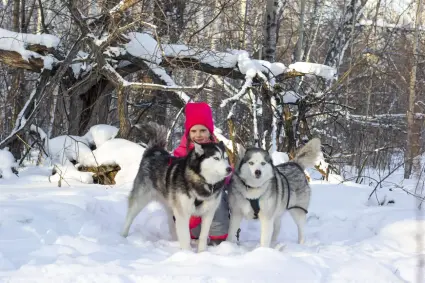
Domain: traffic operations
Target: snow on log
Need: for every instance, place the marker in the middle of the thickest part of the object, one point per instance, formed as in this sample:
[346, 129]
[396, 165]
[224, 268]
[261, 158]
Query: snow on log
[27, 51]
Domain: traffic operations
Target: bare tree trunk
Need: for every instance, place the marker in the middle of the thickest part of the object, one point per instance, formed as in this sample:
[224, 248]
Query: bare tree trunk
[269, 54]
[74, 117]
[244, 14]
[412, 163]
[215, 27]
[15, 95]
[16, 10]
[101, 109]
[53, 112]
[23, 28]
[89, 100]
[270, 31]
[123, 113]
[40, 19]
[314, 25]
[169, 18]
[254, 117]
[300, 42]
[343, 35]
[214, 40]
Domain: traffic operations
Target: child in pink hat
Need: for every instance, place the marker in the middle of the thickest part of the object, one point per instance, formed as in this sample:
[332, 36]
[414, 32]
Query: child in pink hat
[199, 127]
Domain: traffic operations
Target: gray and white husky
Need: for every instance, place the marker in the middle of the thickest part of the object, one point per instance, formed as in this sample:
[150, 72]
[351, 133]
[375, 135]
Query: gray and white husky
[260, 190]
[186, 186]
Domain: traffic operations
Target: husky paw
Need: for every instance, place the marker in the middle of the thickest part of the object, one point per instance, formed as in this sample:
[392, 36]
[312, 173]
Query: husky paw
[186, 247]
[280, 247]
[124, 234]
[202, 247]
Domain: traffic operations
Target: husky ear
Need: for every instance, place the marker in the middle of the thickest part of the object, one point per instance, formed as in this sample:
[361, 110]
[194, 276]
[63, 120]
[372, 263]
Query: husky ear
[198, 148]
[221, 145]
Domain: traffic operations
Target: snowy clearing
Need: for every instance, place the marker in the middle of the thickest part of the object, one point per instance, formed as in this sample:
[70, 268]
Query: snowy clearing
[71, 234]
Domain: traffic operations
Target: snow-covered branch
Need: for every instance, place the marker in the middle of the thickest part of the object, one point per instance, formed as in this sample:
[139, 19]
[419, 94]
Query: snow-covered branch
[241, 93]
[117, 79]
[141, 51]
[383, 120]
[235, 64]
[27, 51]
[314, 69]
[380, 23]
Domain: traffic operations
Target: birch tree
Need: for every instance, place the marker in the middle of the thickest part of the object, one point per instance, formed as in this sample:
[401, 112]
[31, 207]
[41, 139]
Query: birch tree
[413, 147]
[269, 54]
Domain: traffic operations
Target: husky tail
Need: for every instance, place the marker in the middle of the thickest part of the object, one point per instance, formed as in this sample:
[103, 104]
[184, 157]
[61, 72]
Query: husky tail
[309, 154]
[156, 133]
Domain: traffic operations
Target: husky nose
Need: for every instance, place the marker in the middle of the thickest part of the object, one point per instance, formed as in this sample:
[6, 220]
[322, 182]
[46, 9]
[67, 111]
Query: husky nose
[257, 173]
[229, 170]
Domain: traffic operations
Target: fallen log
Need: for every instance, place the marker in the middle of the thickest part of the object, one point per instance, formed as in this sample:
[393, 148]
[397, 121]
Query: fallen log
[104, 174]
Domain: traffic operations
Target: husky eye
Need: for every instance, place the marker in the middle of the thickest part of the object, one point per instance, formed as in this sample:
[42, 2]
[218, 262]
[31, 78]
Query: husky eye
[263, 163]
[251, 163]
[216, 158]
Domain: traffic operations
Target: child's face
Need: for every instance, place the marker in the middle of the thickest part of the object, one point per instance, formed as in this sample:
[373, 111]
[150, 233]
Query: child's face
[199, 134]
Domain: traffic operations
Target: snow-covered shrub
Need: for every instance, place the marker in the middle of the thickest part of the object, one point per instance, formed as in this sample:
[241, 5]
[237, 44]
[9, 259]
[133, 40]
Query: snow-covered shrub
[98, 134]
[7, 163]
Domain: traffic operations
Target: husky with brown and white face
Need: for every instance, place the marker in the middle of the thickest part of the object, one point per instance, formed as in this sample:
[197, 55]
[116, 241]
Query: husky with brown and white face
[186, 186]
[260, 190]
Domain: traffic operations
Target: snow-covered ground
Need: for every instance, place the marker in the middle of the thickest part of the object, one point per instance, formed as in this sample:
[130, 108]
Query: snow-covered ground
[71, 234]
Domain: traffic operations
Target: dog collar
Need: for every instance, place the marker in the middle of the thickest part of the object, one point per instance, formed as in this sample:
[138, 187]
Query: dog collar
[214, 186]
[247, 186]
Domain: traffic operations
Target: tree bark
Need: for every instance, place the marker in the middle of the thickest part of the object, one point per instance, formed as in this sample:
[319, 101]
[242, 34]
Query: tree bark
[413, 148]
[123, 112]
[343, 35]
[17, 88]
[269, 54]
[89, 100]
[169, 18]
[300, 44]
[270, 31]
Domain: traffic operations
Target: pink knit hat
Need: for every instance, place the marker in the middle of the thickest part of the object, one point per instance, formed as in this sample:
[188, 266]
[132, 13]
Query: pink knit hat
[198, 113]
